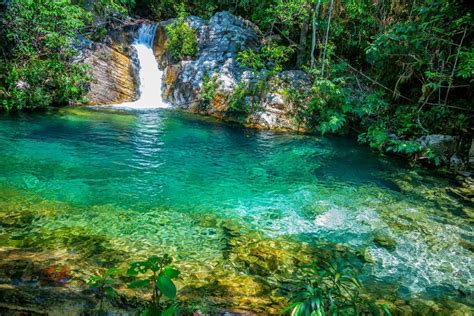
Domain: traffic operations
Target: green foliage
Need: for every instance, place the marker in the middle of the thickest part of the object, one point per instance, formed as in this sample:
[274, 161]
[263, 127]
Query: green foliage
[270, 57]
[394, 68]
[164, 9]
[333, 289]
[264, 63]
[156, 274]
[246, 97]
[182, 39]
[104, 8]
[430, 66]
[238, 100]
[38, 68]
[104, 285]
[330, 106]
[376, 136]
[209, 88]
[404, 147]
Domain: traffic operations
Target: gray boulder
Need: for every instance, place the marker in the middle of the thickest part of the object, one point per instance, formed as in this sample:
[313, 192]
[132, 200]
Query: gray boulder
[219, 41]
[456, 162]
[443, 146]
[278, 109]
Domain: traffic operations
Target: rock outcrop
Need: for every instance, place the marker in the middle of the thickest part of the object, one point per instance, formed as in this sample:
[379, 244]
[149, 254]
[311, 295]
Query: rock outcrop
[111, 68]
[443, 146]
[219, 41]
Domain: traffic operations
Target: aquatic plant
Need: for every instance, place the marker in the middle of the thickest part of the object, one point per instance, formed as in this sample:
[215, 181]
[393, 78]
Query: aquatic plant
[334, 289]
[160, 282]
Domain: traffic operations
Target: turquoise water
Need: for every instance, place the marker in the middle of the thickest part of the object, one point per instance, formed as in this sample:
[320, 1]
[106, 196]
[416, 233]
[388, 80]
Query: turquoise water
[164, 181]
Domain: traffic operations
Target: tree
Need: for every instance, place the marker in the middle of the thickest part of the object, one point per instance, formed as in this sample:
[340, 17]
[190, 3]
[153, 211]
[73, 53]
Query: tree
[39, 39]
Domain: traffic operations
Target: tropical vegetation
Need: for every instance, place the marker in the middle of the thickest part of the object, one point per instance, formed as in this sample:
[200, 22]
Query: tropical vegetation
[388, 71]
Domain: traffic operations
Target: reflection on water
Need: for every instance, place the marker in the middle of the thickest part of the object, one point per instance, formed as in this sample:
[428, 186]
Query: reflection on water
[128, 184]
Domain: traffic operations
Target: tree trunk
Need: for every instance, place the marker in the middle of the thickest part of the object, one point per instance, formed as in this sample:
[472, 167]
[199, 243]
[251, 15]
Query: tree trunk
[300, 58]
[314, 32]
[331, 8]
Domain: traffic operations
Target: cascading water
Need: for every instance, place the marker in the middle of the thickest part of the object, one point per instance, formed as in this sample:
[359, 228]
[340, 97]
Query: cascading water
[150, 75]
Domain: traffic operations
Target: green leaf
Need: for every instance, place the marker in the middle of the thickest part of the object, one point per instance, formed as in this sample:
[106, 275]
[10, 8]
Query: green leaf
[111, 272]
[171, 272]
[138, 267]
[138, 283]
[386, 310]
[166, 286]
[170, 311]
[110, 292]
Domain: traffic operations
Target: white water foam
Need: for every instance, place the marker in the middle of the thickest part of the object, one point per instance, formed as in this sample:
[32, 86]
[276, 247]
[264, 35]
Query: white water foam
[150, 76]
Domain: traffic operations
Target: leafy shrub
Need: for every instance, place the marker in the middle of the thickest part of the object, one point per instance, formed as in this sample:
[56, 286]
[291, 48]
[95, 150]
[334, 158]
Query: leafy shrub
[209, 87]
[156, 275]
[182, 39]
[330, 105]
[334, 289]
[238, 100]
[246, 97]
[270, 57]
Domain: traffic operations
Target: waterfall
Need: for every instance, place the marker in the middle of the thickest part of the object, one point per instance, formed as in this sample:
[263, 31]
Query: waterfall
[150, 75]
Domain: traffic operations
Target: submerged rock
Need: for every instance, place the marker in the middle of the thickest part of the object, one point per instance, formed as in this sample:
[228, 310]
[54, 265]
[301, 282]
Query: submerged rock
[385, 241]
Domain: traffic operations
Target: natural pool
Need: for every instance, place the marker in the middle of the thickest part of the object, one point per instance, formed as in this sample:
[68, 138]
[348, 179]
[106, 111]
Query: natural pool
[240, 210]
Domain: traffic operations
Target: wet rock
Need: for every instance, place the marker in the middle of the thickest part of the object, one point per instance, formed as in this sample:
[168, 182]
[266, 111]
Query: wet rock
[366, 255]
[443, 146]
[270, 257]
[464, 189]
[278, 109]
[219, 41]
[54, 275]
[425, 307]
[455, 308]
[456, 162]
[112, 73]
[466, 244]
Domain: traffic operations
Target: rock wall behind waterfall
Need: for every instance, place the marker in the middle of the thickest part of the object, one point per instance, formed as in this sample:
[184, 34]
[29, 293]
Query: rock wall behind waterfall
[111, 68]
[219, 41]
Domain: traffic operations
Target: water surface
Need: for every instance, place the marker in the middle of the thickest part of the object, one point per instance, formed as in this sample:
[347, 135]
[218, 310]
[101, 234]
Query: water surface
[161, 181]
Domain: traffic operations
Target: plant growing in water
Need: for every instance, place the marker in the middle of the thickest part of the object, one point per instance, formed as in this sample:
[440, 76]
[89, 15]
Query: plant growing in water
[333, 290]
[157, 274]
